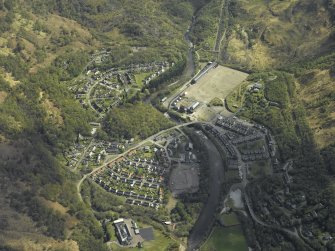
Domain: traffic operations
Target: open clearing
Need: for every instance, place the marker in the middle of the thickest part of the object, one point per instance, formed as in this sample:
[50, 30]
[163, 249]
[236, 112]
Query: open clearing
[3, 96]
[226, 239]
[184, 179]
[217, 83]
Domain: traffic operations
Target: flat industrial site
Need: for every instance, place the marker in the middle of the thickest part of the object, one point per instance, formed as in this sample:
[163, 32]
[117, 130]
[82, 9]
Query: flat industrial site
[218, 82]
[183, 179]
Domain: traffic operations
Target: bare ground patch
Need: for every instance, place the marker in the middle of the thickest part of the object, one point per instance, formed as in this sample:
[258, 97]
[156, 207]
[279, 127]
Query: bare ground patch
[54, 113]
[8, 77]
[3, 96]
[184, 179]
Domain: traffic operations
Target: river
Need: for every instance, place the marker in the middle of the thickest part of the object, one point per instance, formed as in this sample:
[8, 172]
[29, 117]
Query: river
[207, 216]
[189, 70]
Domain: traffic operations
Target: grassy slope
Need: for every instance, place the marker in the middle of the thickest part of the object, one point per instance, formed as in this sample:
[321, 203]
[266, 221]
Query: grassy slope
[276, 34]
[261, 31]
[128, 22]
[40, 46]
[316, 91]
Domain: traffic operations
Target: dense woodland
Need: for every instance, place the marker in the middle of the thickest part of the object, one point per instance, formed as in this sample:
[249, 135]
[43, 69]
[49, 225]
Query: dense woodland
[312, 169]
[135, 121]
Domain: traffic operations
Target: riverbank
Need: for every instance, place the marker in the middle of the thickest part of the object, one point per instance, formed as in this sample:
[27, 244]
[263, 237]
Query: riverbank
[207, 216]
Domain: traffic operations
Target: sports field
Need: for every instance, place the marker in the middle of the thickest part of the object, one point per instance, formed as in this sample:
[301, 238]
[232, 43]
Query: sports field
[226, 239]
[217, 83]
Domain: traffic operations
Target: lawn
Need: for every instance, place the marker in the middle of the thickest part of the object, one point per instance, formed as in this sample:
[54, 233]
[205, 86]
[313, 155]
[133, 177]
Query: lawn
[226, 239]
[161, 242]
[229, 219]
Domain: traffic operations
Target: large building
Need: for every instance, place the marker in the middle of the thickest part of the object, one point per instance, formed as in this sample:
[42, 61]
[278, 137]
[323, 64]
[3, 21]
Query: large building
[193, 107]
[122, 232]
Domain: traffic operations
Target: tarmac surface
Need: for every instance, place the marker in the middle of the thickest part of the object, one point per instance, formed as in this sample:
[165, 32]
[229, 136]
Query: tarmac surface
[184, 178]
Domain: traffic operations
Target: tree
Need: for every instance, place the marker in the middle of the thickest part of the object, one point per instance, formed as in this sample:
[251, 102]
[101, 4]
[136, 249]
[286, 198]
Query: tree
[134, 120]
[9, 4]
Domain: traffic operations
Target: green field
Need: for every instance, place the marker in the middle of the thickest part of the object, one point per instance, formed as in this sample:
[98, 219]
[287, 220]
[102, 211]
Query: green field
[229, 219]
[161, 242]
[226, 239]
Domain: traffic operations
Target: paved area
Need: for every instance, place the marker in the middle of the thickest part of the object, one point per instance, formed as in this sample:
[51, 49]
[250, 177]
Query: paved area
[184, 178]
[147, 233]
[136, 237]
